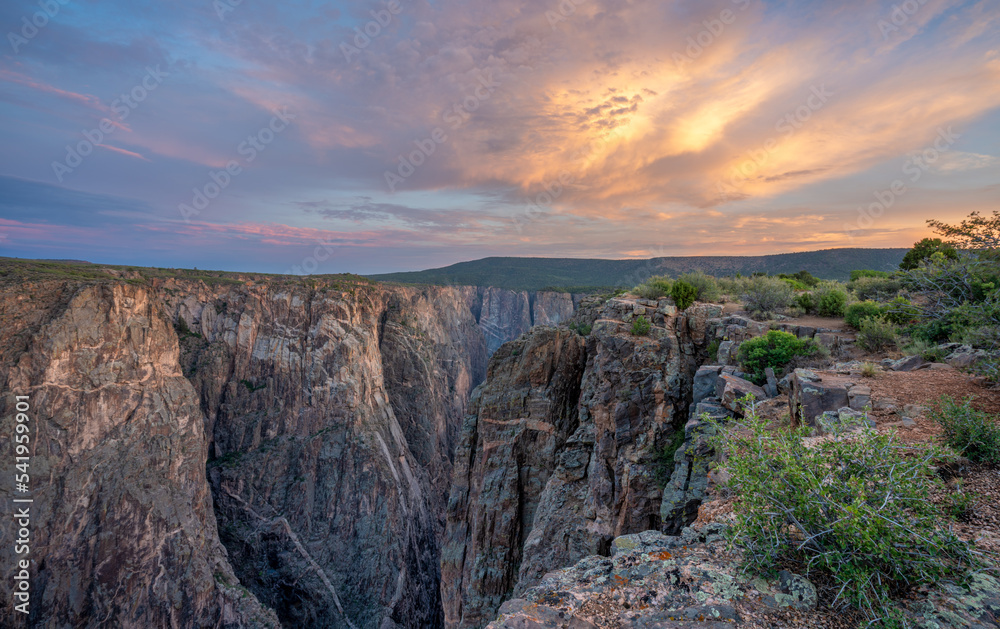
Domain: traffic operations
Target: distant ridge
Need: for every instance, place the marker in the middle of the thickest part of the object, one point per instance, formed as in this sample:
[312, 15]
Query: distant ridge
[574, 274]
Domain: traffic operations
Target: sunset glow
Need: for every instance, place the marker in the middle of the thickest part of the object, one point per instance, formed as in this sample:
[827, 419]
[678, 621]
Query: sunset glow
[415, 134]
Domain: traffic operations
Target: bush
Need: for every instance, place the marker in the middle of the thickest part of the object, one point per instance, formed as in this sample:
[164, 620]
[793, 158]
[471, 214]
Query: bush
[860, 273]
[806, 302]
[707, 286]
[683, 294]
[877, 335]
[805, 278]
[654, 288]
[856, 313]
[776, 350]
[900, 311]
[930, 353]
[973, 434]
[855, 510]
[925, 250]
[830, 300]
[764, 296]
[876, 288]
[640, 327]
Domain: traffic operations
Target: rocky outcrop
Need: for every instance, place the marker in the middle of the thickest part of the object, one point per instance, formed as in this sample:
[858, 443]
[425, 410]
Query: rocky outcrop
[122, 527]
[691, 582]
[518, 424]
[815, 392]
[600, 467]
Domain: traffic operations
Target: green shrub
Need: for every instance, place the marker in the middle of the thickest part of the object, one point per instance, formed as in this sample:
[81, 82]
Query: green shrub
[583, 329]
[713, 349]
[930, 353]
[805, 278]
[973, 434]
[854, 510]
[775, 350]
[877, 335]
[764, 296]
[654, 288]
[900, 311]
[794, 283]
[856, 313]
[860, 273]
[640, 327]
[806, 302]
[708, 287]
[683, 294]
[876, 288]
[830, 300]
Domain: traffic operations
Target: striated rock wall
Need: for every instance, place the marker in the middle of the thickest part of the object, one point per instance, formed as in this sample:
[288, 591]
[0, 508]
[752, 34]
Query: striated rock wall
[598, 466]
[334, 411]
[122, 527]
[237, 454]
[505, 315]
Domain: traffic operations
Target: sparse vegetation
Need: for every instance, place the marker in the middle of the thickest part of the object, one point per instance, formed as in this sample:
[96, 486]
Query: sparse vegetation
[831, 300]
[707, 287]
[683, 294]
[641, 326]
[973, 434]
[776, 350]
[765, 296]
[869, 370]
[856, 313]
[654, 288]
[855, 510]
[877, 335]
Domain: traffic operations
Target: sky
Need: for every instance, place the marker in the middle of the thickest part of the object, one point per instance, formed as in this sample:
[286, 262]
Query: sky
[368, 137]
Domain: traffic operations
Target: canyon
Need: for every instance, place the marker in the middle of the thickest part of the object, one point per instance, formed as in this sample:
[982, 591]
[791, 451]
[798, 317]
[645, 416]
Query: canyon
[263, 452]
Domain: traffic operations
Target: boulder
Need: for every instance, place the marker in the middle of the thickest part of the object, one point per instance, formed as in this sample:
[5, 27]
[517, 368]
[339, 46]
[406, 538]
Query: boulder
[704, 382]
[727, 352]
[813, 394]
[772, 383]
[860, 397]
[909, 363]
[730, 390]
[796, 592]
[841, 421]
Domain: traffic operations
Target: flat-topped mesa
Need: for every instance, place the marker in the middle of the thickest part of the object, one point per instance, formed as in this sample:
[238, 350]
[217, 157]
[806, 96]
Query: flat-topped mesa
[562, 449]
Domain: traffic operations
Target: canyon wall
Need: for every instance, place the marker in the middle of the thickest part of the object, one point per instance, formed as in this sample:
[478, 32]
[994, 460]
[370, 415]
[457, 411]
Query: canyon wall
[122, 527]
[567, 445]
[254, 451]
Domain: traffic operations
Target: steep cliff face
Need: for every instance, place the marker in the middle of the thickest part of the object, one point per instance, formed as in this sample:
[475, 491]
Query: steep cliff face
[599, 467]
[122, 527]
[516, 426]
[333, 412]
[505, 315]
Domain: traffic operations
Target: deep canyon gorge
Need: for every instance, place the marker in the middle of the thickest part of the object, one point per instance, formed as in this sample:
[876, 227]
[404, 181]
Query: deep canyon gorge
[263, 452]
